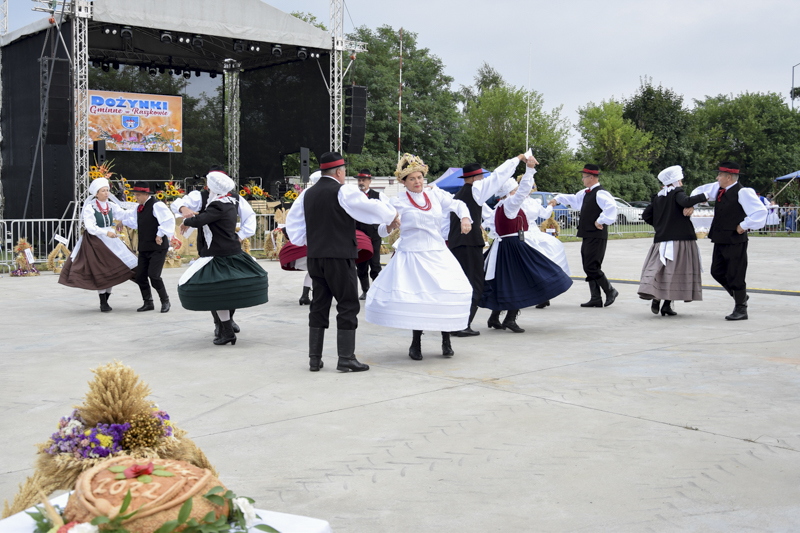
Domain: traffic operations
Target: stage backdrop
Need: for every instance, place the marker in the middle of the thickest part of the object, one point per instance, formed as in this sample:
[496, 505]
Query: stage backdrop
[132, 122]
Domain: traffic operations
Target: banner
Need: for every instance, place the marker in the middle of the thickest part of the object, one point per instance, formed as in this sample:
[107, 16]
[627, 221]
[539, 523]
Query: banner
[132, 122]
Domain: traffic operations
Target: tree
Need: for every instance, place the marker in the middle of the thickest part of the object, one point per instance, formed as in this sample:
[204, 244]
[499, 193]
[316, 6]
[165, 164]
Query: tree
[756, 130]
[432, 124]
[311, 19]
[486, 78]
[613, 142]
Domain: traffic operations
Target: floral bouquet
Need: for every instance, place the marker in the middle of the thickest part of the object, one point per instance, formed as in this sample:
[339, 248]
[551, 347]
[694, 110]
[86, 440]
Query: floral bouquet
[251, 191]
[291, 194]
[24, 267]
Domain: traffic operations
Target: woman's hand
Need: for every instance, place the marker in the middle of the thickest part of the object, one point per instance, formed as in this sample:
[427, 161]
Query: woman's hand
[531, 162]
[688, 211]
[183, 229]
[111, 234]
[466, 225]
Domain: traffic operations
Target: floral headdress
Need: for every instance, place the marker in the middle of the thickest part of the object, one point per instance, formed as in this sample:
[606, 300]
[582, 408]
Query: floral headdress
[409, 164]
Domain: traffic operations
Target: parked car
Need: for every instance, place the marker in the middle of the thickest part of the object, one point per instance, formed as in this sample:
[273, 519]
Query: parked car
[626, 213]
[563, 216]
[640, 203]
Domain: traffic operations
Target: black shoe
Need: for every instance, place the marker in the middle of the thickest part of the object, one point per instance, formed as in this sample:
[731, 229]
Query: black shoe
[346, 346]
[104, 307]
[447, 348]
[654, 306]
[494, 320]
[415, 350]
[543, 305]
[611, 292]
[363, 296]
[165, 306]
[304, 299]
[216, 324]
[234, 325]
[466, 332]
[595, 300]
[226, 334]
[667, 309]
[510, 321]
[148, 306]
[739, 313]
[316, 337]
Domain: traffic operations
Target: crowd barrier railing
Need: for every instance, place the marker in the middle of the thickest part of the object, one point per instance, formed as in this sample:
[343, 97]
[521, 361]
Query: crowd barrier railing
[39, 233]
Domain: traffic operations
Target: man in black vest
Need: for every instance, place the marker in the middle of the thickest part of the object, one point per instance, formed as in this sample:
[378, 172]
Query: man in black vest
[736, 211]
[468, 247]
[369, 269]
[598, 211]
[156, 226]
[324, 217]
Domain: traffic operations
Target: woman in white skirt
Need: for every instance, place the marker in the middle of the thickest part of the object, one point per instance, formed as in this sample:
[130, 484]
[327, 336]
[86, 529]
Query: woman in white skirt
[423, 286]
[100, 259]
[672, 268]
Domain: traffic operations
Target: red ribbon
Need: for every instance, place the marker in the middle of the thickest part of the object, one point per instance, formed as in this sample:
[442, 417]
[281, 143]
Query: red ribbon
[593, 172]
[332, 164]
[365, 176]
[141, 189]
[473, 173]
[720, 193]
[729, 170]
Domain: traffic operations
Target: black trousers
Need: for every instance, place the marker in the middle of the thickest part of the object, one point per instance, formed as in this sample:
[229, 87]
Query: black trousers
[333, 278]
[150, 266]
[471, 260]
[592, 253]
[372, 267]
[729, 265]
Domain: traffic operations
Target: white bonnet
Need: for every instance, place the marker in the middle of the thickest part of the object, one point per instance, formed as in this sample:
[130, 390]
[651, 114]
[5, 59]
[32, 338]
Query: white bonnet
[219, 182]
[97, 184]
[507, 187]
[670, 175]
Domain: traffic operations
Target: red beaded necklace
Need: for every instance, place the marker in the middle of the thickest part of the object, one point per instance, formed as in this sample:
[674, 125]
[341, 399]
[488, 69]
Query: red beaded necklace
[100, 208]
[426, 207]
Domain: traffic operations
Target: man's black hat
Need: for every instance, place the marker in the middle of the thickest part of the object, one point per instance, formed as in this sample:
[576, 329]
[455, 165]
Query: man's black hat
[365, 173]
[589, 168]
[330, 160]
[142, 186]
[472, 169]
[730, 167]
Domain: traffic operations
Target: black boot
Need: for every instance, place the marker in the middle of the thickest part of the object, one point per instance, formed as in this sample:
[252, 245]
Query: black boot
[346, 347]
[304, 299]
[494, 320]
[611, 292]
[364, 287]
[595, 300]
[148, 306]
[165, 306]
[415, 350]
[510, 321]
[654, 306]
[217, 323]
[447, 348]
[234, 325]
[316, 337]
[104, 307]
[543, 305]
[468, 331]
[667, 309]
[740, 310]
[226, 334]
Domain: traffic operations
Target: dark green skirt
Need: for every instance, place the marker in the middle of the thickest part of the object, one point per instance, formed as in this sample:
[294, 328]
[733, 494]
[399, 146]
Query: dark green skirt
[230, 282]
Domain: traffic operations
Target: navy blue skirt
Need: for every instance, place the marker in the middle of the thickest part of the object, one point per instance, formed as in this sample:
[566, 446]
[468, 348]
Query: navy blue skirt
[523, 278]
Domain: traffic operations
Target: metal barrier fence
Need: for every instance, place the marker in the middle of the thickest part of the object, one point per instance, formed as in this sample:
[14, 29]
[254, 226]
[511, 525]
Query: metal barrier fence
[40, 234]
[265, 224]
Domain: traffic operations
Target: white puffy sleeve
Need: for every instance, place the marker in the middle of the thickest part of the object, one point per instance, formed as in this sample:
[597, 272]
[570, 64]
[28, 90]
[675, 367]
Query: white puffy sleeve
[755, 210]
[709, 189]
[296, 221]
[483, 189]
[449, 203]
[575, 201]
[363, 209]
[166, 220]
[514, 202]
[193, 201]
[609, 207]
[130, 218]
[247, 219]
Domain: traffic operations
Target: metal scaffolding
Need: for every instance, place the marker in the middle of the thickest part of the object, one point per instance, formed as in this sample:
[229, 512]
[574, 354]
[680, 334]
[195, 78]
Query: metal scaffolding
[337, 71]
[233, 115]
[3, 17]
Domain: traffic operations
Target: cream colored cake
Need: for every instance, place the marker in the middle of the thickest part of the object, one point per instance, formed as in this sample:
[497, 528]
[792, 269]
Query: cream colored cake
[158, 490]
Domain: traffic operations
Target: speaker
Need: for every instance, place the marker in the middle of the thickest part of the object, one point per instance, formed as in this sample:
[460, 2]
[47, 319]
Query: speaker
[355, 119]
[57, 109]
[304, 164]
[100, 152]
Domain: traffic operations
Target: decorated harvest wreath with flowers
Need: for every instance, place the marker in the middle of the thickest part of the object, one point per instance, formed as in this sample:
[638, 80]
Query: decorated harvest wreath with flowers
[116, 419]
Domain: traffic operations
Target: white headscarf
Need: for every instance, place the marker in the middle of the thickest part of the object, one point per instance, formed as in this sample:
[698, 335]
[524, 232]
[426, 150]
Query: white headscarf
[313, 178]
[669, 176]
[94, 187]
[507, 187]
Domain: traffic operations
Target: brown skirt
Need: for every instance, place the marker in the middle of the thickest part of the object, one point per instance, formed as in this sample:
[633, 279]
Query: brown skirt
[95, 267]
[677, 280]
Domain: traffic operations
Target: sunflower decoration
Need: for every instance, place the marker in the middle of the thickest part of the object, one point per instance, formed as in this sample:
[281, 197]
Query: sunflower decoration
[160, 195]
[257, 191]
[129, 198]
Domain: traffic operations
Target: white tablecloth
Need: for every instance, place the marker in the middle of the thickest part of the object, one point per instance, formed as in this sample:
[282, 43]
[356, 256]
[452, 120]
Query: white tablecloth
[285, 523]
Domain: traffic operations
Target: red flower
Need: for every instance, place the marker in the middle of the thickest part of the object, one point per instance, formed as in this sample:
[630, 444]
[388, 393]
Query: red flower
[67, 527]
[138, 470]
[117, 137]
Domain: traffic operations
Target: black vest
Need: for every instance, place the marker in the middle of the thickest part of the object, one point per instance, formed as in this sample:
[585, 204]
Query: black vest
[148, 227]
[475, 235]
[330, 231]
[728, 214]
[370, 229]
[225, 241]
[590, 210]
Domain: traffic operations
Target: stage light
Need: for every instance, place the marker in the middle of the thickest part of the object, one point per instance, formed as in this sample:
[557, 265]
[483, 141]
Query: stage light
[254, 47]
[187, 74]
[110, 30]
[115, 65]
[212, 75]
[142, 68]
[238, 46]
[152, 70]
[197, 41]
[171, 72]
[181, 39]
[302, 53]
[126, 33]
[166, 37]
[96, 63]
[105, 66]
[161, 70]
[178, 72]
[276, 50]
[197, 73]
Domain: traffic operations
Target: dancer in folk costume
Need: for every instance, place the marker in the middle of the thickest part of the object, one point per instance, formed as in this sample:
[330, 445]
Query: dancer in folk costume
[156, 226]
[196, 202]
[324, 216]
[518, 275]
[672, 268]
[737, 210]
[224, 278]
[423, 286]
[100, 259]
[598, 211]
[371, 268]
[468, 249]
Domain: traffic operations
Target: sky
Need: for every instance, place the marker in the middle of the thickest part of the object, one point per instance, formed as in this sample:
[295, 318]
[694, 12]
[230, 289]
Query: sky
[587, 50]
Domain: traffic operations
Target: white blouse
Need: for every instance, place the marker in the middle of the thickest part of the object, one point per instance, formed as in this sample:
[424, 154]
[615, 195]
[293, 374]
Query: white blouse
[247, 217]
[420, 231]
[90, 222]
